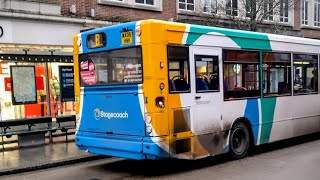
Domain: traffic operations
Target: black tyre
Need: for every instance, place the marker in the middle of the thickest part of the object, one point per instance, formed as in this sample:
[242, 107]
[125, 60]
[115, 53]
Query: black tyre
[239, 140]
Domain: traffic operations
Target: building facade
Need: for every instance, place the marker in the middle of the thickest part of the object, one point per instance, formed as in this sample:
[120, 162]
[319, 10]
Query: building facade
[120, 10]
[288, 17]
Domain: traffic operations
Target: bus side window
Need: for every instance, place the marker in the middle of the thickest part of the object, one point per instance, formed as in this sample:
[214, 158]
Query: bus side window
[178, 60]
[241, 74]
[276, 74]
[305, 74]
[207, 73]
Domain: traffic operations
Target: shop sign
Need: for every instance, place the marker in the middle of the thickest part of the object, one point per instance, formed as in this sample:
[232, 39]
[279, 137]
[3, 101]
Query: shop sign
[4, 68]
[1, 31]
[7, 84]
[66, 83]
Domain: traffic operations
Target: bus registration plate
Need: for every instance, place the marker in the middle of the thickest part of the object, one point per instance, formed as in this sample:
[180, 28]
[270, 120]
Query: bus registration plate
[126, 37]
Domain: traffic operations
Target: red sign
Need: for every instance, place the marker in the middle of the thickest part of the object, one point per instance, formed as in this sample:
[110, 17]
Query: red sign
[7, 84]
[84, 65]
[39, 83]
[88, 72]
[88, 77]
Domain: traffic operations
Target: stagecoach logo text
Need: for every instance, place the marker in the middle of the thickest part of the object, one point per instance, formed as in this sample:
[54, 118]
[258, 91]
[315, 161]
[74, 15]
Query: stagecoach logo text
[98, 114]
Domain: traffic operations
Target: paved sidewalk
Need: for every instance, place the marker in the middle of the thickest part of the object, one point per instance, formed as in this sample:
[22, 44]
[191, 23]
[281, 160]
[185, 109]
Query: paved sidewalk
[40, 157]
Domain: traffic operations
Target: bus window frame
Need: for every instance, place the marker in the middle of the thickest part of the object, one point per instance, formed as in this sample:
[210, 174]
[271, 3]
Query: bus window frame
[168, 63]
[224, 50]
[293, 77]
[113, 84]
[195, 71]
[291, 71]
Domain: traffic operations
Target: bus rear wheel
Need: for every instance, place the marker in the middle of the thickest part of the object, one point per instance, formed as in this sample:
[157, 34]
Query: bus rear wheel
[239, 140]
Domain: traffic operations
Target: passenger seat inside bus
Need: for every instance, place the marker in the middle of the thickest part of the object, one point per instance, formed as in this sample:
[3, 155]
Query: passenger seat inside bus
[181, 85]
[214, 82]
[201, 85]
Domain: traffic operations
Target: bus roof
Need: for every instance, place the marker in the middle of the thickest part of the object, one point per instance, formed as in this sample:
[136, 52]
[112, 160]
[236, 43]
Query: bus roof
[242, 39]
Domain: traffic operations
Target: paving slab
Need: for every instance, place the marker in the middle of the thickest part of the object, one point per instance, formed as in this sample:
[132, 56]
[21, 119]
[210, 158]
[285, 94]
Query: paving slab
[58, 153]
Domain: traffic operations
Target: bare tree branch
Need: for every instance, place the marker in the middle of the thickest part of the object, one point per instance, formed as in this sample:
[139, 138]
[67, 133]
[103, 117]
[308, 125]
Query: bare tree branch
[249, 15]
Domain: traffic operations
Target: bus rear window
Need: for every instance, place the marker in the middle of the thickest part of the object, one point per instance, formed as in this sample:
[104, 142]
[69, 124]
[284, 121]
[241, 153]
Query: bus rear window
[122, 66]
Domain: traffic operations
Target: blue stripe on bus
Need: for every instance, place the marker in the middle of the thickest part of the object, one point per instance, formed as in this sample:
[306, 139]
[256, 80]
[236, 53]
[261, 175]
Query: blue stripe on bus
[252, 113]
[113, 34]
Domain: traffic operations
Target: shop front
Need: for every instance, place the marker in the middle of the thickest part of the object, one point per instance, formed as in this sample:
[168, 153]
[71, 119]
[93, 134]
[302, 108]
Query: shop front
[36, 86]
[36, 68]
[36, 76]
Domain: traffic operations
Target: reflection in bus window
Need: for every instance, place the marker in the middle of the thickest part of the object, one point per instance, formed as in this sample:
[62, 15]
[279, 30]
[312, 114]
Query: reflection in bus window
[207, 73]
[178, 58]
[276, 74]
[241, 74]
[112, 67]
[305, 74]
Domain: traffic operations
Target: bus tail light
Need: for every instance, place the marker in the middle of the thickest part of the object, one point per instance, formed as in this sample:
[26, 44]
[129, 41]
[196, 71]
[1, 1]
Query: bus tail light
[161, 86]
[149, 129]
[160, 102]
[148, 119]
[138, 31]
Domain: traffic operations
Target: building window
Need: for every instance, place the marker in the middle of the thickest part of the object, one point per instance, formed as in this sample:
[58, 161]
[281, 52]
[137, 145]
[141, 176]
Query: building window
[317, 13]
[147, 2]
[268, 10]
[284, 11]
[305, 74]
[304, 13]
[232, 7]
[149, 5]
[241, 74]
[276, 74]
[179, 71]
[186, 5]
[250, 7]
[210, 6]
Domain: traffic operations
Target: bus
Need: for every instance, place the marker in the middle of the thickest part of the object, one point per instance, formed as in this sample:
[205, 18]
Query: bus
[153, 89]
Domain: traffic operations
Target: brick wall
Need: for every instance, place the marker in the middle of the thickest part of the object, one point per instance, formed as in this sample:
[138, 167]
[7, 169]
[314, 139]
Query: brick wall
[307, 32]
[116, 13]
[49, 1]
[310, 33]
[297, 15]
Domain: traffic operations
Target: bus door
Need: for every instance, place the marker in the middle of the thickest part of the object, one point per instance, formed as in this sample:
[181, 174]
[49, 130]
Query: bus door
[179, 101]
[206, 88]
[197, 112]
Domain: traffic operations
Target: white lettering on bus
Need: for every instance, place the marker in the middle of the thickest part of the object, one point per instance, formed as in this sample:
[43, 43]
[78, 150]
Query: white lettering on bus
[109, 115]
